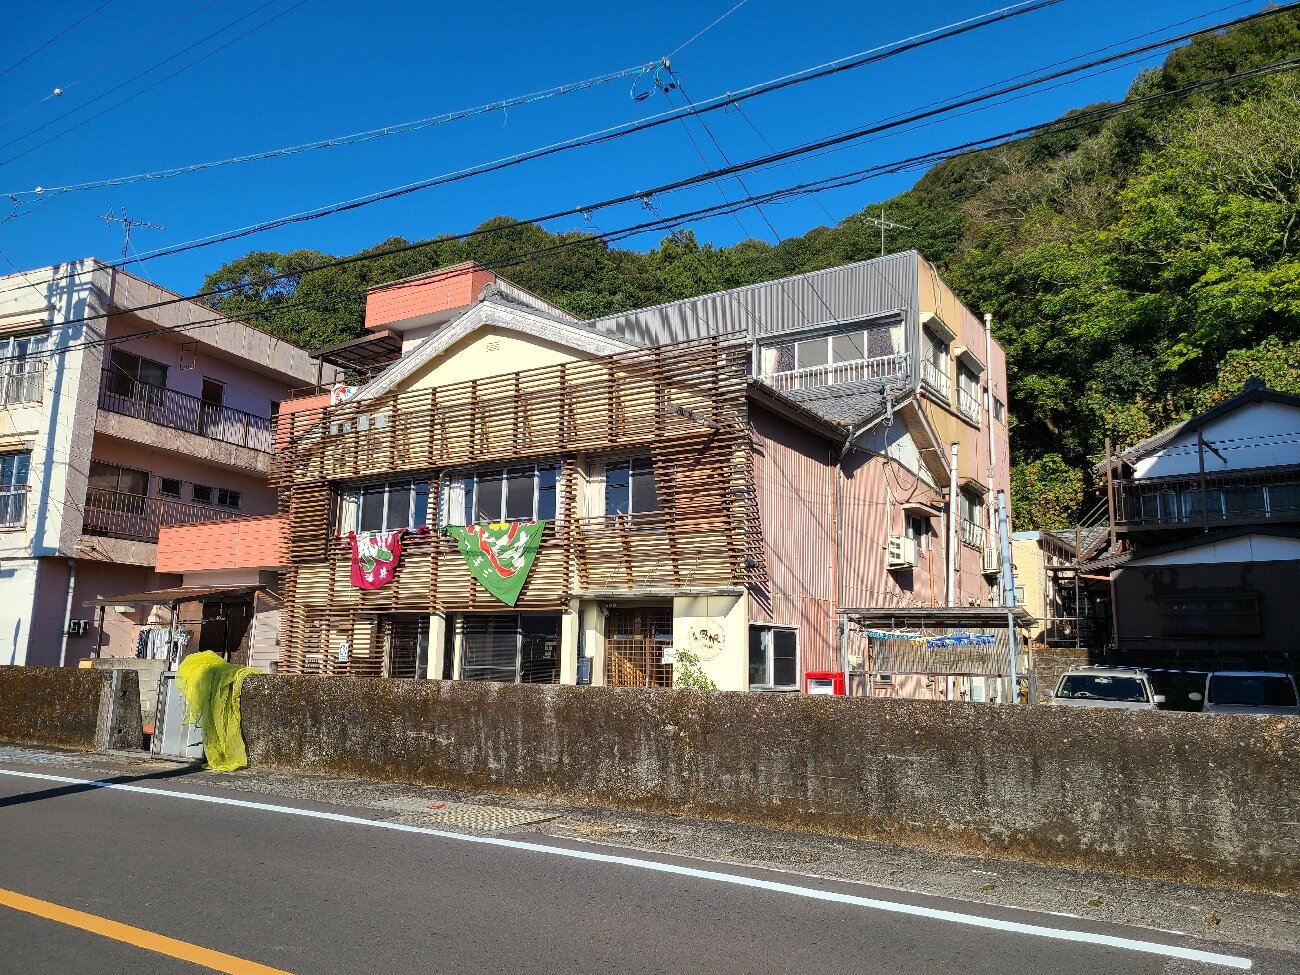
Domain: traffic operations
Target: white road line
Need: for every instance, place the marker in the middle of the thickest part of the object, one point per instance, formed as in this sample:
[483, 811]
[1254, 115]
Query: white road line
[811, 893]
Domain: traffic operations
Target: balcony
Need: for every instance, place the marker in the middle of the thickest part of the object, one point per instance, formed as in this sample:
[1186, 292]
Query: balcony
[838, 373]
[973, 535]
[969, 404]
[118, 514]
[936, 380]
[22, 382]
[13, 507]
[1255, 497]
[181, 411]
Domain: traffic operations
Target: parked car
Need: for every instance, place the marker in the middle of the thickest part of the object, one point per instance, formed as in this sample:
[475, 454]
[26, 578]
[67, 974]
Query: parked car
[1250, 692]
[1107, 687]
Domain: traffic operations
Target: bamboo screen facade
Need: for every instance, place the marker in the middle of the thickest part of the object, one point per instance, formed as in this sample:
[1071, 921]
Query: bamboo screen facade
[683, 405]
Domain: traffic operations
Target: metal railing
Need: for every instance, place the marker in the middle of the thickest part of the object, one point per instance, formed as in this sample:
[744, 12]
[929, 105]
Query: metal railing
[181, 411]
[973, 534]
[22, 382]
[837, 373]
[136, 516]
[13, 507]
[936, 379]
[969, 403]
[1245, 498]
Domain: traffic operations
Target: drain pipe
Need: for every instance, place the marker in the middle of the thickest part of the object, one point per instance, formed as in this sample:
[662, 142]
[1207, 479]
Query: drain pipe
[67, 612]
[951, 582]
[988, 413]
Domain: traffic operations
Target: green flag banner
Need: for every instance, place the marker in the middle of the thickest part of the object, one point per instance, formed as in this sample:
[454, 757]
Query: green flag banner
[499, 554]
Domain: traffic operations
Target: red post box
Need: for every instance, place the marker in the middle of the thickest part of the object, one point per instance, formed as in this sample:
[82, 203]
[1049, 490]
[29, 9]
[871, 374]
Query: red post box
[824, 682]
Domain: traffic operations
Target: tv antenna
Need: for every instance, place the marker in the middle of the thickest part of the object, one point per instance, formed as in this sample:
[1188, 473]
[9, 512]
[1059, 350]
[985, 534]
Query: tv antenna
[884, 225]
[128, 222]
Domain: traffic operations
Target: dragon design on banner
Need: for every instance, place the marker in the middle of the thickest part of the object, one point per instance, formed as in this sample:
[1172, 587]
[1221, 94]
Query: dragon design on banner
[500, 554]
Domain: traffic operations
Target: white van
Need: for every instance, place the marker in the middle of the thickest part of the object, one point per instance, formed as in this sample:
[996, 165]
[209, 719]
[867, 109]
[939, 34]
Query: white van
[1107, 687]
[1250, 692]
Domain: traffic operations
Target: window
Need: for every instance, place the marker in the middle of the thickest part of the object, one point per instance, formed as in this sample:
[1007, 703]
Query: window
[917, 528]
[630, 487]
[22, 367]
[968, 393]
[110, 477]
[522, 493]
[15, 467]
[170, 488]
[1210, 614]
[934, 368]
[999, 410]
[511, 648]
[385, 506]
[201, 493]
[227, 499]
[971, 507]
[126, 369]
[773, 658]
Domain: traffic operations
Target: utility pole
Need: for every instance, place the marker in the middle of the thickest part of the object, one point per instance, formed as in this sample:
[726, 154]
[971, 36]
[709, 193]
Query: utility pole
[127, 221]
[1008, 594]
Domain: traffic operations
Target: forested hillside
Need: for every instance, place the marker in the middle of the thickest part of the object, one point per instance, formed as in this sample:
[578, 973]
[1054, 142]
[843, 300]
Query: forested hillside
[1138, 268]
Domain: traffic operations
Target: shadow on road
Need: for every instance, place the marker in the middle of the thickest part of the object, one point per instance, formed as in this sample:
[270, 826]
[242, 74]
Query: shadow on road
[73, 789]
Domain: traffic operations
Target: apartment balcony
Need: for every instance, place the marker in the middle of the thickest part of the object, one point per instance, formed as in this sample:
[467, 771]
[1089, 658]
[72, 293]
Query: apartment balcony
[973, 535]
[117, 514]
[839, 373]
[13, 507]
[936, 380]
[969, 404]
[180, 423]
[21, 383]
[1252, 497]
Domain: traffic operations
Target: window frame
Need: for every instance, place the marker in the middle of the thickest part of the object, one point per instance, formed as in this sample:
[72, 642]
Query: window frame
[766, 632]
[231, 498]
[631, 463]
[117, 486]
[521, 635]
[194, 493]
[351, 506]
[459, 493]
[162, 487]
[910, 524]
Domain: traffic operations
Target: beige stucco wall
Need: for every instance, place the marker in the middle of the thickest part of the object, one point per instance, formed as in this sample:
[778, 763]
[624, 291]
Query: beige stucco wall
[490, 351]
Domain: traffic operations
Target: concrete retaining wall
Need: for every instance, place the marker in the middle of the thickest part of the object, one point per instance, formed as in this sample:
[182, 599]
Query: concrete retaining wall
[69, 708]
[1199, 798]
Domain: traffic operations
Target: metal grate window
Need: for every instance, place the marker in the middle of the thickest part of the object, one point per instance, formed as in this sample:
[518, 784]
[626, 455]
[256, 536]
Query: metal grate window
[1210, 614]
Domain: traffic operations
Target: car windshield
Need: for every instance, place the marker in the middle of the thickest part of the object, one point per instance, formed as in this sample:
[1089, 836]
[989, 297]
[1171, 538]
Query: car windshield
[1252, 690]
[1102, 687]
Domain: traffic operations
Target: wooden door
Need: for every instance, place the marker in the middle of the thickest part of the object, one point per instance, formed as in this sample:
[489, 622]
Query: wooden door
[635, 643]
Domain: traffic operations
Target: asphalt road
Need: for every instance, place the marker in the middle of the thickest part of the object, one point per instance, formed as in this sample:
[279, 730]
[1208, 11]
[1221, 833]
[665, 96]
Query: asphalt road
[348, 892]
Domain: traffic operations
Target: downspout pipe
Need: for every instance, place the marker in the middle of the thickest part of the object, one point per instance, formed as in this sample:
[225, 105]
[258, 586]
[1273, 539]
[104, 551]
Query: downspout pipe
[988, 414]
[67, 612]
[950, 588]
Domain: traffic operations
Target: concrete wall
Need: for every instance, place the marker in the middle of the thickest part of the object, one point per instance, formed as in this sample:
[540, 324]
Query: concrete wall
[54, 706]
[1200, 798]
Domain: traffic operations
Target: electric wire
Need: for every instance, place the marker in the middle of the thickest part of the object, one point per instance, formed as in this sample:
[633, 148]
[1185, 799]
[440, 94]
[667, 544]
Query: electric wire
[1079, 120]
[862, 59]
[695, 37]
[76, 23]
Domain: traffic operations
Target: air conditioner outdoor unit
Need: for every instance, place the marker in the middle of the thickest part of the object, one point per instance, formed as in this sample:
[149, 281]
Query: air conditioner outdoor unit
[78, 627]
[900, 552]
[992, 561]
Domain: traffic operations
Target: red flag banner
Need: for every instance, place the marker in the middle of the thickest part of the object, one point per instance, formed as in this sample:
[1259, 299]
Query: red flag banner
[374, 557]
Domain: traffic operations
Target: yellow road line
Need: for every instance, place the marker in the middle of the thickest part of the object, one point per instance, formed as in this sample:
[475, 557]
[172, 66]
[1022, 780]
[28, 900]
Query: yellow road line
[215, 960]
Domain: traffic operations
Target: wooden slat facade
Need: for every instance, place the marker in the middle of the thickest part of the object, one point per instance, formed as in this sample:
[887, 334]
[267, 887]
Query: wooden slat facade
[684, 405]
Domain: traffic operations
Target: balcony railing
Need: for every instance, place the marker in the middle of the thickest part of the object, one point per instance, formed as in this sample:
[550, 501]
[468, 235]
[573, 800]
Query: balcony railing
[181, 411]
[837, 373]
[1245, 498]
[973, 534]
[936, 379]
[21, 382]
[13, 507]
[135, 516]
[969, 403]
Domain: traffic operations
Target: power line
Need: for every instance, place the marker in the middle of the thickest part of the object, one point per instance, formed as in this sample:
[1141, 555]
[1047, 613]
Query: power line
[862, 59]
[368, 135]
[183, 68]
[76, 23]
[695, 37]
[1079, 120]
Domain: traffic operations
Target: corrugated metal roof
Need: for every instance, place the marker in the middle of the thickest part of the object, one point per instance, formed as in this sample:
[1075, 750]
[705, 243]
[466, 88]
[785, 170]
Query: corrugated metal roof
[839, 294]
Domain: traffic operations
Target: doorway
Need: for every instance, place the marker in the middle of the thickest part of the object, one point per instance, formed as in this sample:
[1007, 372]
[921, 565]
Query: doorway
[636, 641]
[210, 407]
[407, 650]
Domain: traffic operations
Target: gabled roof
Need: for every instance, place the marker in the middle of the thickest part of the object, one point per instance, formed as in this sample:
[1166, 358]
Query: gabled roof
[1195, 541]
[1253, 392]
[493, 311]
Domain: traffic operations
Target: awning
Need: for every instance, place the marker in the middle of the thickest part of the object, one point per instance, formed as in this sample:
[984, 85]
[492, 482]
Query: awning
[183, 594]
[370, 352]
[987, 617]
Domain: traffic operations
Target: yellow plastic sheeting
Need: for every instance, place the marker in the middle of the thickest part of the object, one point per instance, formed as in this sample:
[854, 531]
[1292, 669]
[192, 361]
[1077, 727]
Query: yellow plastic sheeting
[211, 688]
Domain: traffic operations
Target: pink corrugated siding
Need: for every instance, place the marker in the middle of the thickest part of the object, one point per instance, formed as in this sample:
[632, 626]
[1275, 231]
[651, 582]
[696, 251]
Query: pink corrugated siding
[793, 481]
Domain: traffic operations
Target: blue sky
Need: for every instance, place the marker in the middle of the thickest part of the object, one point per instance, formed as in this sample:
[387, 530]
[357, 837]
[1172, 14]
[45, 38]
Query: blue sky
[330, 67]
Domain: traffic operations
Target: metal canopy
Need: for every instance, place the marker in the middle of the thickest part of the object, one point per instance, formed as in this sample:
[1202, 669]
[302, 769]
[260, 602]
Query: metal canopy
[373, 351]
[987, 617]
[183, 594]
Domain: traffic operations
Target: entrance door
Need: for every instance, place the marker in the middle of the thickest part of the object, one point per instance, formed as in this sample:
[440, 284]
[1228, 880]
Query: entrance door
[408, 645]
[635, 643]
[210, 408]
